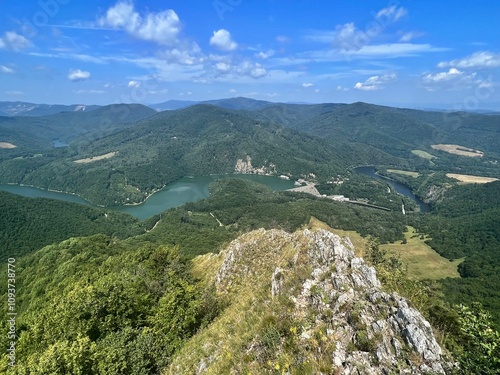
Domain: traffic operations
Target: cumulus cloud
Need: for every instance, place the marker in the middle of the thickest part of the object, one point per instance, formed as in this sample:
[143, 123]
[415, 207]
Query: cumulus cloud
[222, 40]
[376, 82]
[483, 59]
[134, 84]
[223, 67]
[342, 88]
[13, 41]
[254, 70]
[185, 54]
[307, 85]
[78, 75]
[265, 55]
[5, 69]
[161, 27]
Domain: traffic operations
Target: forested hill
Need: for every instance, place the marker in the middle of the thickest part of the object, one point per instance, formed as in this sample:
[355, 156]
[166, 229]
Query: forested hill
[395, 130]
[69, 126]
[199, 140]
[467, 224]
[27, 224]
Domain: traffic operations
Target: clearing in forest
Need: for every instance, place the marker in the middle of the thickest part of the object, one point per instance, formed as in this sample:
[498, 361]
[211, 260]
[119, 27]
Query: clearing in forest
[423, 262]
[96, 158]
[459, 150]
[423, 154]
[7, 145]
[469, 179]
[405, 173]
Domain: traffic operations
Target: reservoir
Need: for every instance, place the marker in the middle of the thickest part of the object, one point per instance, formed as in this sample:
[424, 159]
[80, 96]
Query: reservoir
[397, 186]
[186, 189]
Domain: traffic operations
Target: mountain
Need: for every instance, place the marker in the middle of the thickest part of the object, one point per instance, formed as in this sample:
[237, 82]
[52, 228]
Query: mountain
[239, 103]
[68, 126]
[198, 140]
[303, 302]
[394, 130]
[31, 109]
[229, 103]
[172, 104]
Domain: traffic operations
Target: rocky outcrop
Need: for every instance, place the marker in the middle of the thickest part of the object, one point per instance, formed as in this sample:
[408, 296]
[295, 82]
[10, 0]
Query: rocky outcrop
[364, 330]
[245, 166]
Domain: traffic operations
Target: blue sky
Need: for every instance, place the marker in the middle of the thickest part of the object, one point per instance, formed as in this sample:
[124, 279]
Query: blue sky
[441, 54]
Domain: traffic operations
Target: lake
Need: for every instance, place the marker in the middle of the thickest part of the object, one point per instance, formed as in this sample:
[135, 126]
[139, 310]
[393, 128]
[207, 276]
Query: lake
[187, 189]
[397, 186]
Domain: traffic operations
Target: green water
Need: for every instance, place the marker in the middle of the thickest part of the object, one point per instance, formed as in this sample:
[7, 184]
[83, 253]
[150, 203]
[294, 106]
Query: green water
[176, 194]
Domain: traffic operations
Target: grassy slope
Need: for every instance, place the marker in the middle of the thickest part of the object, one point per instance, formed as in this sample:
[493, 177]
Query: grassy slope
[423, 262]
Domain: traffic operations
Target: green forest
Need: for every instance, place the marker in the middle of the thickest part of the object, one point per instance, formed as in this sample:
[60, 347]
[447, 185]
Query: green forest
[100, 292]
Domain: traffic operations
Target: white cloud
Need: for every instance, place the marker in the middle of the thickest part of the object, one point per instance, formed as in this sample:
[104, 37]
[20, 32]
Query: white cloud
[186, 54]
[452, 79]
[14, 93]
[222, 40]
[451, 74]
[162, 27]
[376, 82]
[222, 67]
[362, 86]
[307, 85]
[13, 41]
[5, 69]
[78, 75]
[348, 37]
[254, 70]
[134, 84]
[483, 59]
[265, 55]
[392, 13]
[342, 88]
[406, 37]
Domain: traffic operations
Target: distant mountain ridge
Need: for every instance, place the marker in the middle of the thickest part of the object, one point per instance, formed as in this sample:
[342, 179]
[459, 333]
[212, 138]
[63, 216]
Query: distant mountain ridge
[32, 109]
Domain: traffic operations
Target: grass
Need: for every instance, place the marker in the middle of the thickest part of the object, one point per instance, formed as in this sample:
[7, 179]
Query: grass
[458, 150]
[423, 154]
[406, 173]
[423, 262]
[469, 179]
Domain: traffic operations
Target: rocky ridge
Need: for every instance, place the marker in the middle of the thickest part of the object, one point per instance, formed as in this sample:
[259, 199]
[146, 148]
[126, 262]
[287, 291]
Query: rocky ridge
[336, 316]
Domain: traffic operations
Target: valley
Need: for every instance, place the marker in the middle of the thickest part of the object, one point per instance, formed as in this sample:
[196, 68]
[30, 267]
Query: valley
[150, 192]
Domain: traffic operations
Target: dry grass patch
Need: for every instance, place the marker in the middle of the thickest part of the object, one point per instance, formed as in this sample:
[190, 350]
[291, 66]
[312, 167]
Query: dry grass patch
[459, 150]
[405, 173]
[7, 145]
[423, 154]
[96, 158]
[468, 179]
[423, 262]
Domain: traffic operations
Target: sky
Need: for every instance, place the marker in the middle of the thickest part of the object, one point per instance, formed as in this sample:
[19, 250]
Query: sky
[407, 53]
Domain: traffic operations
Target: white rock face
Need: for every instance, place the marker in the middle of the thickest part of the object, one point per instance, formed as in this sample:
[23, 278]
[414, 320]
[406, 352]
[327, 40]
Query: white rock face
[374, 332]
